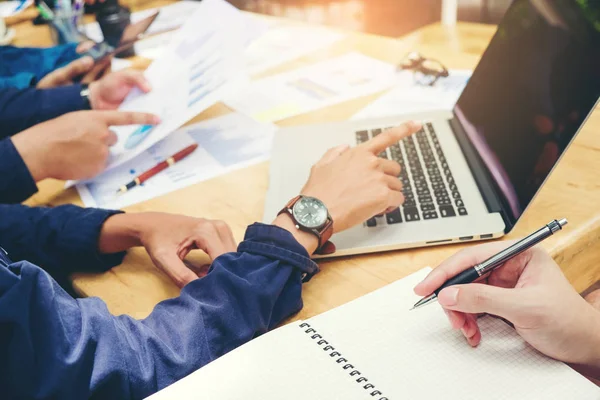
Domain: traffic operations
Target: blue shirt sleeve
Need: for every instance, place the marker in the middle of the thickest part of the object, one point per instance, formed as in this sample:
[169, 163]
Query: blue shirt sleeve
[61, 240]
[23, 67]
[20, 80]
[54, 346]
[21, 109]
[16, 183]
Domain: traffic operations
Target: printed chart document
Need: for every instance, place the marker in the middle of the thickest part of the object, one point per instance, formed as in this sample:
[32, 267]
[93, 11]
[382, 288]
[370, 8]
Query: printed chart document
[225, 144]
[285, 41]
[315, 86]
[408, 96]
[375, 348]
[201, 66]
[10, 8]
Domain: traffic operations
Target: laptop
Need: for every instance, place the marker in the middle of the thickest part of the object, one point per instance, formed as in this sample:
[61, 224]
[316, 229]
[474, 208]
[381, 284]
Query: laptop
[470, 173]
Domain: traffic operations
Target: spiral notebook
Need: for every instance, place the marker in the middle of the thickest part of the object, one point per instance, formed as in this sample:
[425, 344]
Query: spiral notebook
[374, 348]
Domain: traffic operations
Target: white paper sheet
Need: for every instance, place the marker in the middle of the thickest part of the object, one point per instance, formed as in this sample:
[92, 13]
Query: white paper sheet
[408, 96]
[10, 8]
[316, 86]
[201, 66]
[118, 64]
[153, 47]
[283, 42]
[225, 144]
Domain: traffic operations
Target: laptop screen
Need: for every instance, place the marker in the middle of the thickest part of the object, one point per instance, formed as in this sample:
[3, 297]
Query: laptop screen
[535, 85]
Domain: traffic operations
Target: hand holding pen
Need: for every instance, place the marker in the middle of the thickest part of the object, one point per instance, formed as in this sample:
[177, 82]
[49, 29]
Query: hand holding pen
[528, 290]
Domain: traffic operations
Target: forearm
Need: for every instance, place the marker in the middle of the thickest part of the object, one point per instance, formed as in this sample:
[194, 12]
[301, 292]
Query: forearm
[244, 295]
[590, 365]
[21, 109]
[16, 182]
[62, 239]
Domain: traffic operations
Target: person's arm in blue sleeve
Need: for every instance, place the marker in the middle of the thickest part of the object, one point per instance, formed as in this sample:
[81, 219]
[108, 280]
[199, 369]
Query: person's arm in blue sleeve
[16, 183]
[49, 339]
[22, 108]
[23, 67]
[61, 240]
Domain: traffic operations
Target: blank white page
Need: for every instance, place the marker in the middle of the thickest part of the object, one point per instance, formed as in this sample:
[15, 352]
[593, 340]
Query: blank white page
[282, 364]
[416, 355]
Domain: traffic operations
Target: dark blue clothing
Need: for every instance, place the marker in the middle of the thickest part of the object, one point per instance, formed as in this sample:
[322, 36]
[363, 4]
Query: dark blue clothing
[55, 347]
[23, 67]
[21, 109]
[16, 183]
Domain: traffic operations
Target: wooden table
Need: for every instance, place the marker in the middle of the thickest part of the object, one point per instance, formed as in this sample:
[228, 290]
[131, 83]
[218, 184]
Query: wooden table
[573, 191]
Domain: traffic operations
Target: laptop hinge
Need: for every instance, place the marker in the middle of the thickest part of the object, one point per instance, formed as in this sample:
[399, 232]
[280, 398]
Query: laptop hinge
[484, 181]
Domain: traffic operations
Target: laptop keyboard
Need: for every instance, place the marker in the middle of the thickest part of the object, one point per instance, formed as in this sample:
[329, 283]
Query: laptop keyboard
[430, 191]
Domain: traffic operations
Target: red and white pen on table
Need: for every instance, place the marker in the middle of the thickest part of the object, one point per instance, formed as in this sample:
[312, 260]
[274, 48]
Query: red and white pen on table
[180, 155]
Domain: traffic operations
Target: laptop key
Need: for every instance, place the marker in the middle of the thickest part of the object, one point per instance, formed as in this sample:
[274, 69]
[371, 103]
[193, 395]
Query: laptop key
[430, 215]
[371, 222]
[459, 203]
[411, 214]
[394, 217]
[443, 201]
[362, 136]
[462, 211]
[376, 132]
[447, 211]
[427, 207]
[456, 194]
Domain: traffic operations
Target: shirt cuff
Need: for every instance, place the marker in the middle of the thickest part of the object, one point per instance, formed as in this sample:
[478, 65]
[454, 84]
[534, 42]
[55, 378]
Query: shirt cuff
[277, 243]
[17, 183]
[81, 237]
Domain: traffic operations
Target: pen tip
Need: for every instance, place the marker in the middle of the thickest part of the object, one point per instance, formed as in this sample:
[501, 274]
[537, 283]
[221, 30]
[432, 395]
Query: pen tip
[412, 308]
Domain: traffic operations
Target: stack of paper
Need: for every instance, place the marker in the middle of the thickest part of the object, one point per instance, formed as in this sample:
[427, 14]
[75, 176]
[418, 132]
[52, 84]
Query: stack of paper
[315, 86]
[410, 97]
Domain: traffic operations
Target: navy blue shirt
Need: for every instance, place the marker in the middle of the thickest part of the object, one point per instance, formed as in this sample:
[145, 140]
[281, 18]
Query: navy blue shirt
[23, 108]
[55, 347]
[22, 67]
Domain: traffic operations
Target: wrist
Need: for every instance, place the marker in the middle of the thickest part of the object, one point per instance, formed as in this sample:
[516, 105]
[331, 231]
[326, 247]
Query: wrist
[306, 240]
[92, 95]
[121, 232]
[594, 334]
[32, 154]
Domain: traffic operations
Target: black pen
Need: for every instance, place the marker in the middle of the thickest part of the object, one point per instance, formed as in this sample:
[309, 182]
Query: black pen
[472, 274]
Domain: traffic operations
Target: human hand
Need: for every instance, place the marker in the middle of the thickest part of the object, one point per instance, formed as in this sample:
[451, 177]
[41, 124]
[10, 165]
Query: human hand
[109, 92]
[354, 183]
[66, 75]
[75, 145]
[168, 239]
[531, 292]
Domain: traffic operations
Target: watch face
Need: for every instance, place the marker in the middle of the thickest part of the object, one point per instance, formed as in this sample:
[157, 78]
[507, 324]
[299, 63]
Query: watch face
[310, 212]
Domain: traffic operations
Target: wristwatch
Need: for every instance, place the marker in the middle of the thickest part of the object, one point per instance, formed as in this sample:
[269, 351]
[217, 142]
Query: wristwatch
[85, 96]
[310, 215]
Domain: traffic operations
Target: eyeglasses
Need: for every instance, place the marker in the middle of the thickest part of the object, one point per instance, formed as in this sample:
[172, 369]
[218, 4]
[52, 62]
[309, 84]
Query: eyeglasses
[426, 71]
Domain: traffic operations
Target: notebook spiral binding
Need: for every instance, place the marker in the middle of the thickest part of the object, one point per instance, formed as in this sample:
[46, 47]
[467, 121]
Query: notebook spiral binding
[344, 364]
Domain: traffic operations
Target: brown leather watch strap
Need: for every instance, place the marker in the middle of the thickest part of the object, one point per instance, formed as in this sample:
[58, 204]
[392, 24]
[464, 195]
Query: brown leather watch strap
[323, 234]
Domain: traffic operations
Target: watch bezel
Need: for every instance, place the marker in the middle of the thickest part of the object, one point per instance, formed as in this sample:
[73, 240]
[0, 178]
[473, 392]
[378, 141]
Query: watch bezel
[295, 212]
